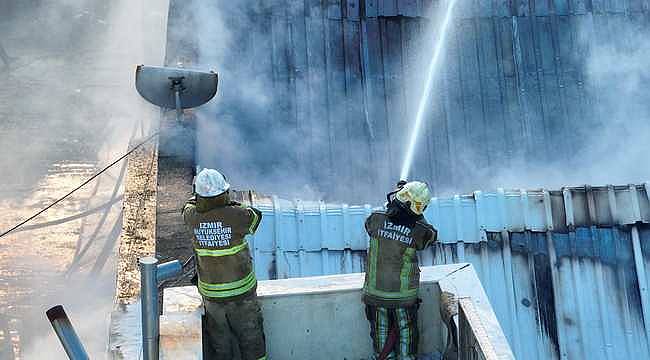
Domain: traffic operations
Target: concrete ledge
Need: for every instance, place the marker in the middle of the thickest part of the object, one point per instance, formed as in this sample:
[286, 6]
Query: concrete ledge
[303, 315]
[139, 221]
[463, 285]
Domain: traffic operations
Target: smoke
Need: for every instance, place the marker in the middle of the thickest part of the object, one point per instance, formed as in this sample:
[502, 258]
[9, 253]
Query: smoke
[88, 303]
[293, 118]
[274, 115]
[432, 71]
[618, 76]
[605, 141]
[68, 108]
[550, 107]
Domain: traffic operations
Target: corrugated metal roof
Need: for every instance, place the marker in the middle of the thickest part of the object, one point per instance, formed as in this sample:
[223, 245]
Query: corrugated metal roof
[311, 226]
[564, 270]
[325, 89]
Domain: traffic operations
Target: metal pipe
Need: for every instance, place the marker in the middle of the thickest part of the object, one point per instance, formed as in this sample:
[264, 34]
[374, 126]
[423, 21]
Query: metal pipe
[152, 274]
[149, 300]
[177, 87]
[64, 330]
[177, 98]
[168, 271]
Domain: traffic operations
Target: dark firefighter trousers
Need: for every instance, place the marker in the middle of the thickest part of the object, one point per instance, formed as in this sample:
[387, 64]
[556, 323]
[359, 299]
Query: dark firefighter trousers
[240, 320]
[382, 319]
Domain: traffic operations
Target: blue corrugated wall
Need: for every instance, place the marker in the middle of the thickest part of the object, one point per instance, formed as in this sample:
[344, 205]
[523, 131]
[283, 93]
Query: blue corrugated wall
[592, 310]
[324, 88]
[565, 271]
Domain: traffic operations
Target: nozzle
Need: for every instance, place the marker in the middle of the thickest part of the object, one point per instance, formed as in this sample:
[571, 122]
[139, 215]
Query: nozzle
[401, 183]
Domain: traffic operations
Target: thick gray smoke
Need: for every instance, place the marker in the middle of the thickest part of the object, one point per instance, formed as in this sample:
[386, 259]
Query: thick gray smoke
[618, 71]
[267, 131]
[611, 138]
[68, 108]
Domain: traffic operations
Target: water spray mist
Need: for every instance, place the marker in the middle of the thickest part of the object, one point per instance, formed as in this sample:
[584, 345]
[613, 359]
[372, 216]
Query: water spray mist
[433, 65]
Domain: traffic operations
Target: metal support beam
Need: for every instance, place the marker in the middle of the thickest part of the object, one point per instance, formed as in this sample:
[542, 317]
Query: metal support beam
[177, 87]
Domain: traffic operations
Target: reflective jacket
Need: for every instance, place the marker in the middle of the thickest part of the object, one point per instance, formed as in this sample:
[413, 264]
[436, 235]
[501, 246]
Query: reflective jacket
[219, 228]
[392, 270]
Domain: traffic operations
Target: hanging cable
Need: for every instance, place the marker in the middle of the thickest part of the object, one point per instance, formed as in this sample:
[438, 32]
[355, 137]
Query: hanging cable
[149, 138]
[106, 205]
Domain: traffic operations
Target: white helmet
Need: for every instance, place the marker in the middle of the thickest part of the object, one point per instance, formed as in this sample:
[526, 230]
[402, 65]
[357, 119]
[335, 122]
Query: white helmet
[415, 195]
[210, 182]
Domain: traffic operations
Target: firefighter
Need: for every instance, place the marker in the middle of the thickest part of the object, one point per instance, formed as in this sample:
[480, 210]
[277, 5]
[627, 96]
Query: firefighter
[226, 279]
[390, 290]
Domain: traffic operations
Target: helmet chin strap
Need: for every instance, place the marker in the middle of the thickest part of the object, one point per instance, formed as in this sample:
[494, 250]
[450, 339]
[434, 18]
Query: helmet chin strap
[400, 185]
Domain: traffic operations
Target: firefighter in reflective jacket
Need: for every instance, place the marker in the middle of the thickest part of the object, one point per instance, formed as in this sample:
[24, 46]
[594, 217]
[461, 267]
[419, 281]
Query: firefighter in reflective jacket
[390, 291]
[226, 279]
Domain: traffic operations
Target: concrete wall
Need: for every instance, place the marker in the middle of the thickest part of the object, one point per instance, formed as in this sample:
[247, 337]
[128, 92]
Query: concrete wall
[323, 317]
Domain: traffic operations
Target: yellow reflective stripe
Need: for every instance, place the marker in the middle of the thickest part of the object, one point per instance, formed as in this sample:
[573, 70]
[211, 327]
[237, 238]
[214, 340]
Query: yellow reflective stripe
[374, 248]
[405, 271]
[228, 286]
[256, 219]
[222, 252]
[262, 358]
[404, 278]
[228, 293]
[392, 295]
[371, 286]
